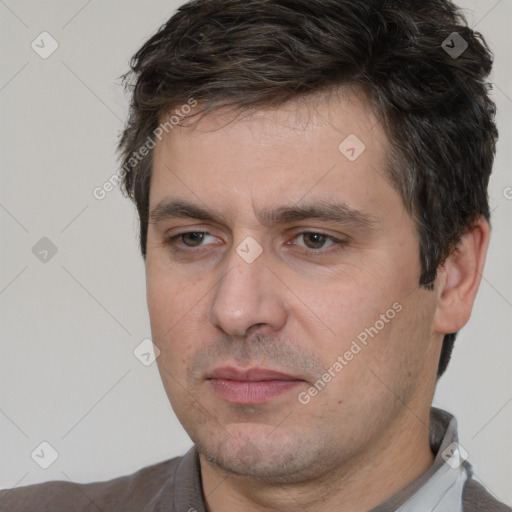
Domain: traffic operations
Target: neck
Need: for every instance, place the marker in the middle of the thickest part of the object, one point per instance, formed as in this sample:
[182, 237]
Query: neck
[393, 461]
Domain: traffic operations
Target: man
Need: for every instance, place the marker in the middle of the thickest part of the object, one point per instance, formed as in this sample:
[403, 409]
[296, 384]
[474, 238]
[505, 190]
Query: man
[311, 180]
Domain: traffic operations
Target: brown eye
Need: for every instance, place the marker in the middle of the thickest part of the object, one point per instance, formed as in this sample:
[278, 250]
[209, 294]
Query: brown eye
[189, 240]
[314, 240]
[193, 239]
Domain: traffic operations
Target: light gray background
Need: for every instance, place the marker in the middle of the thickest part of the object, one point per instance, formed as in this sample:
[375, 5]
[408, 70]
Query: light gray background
[68, 328]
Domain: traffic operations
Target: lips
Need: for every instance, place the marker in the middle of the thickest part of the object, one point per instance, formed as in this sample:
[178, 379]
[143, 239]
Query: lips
[251, 386]
[249, 375]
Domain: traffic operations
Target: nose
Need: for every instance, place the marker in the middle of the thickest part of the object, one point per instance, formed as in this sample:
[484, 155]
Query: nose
[248, 294]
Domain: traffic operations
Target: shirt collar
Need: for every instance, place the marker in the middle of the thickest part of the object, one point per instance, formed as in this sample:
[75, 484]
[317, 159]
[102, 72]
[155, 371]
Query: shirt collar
[440, 487]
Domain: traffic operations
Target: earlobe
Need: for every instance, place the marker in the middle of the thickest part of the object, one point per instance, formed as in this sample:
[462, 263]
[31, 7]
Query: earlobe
[459, 279]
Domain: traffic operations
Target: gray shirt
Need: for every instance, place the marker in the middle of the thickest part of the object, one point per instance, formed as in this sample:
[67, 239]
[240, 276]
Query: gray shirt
[175, 486]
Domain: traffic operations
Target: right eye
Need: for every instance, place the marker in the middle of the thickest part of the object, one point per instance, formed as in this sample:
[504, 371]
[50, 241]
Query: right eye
[188, 239]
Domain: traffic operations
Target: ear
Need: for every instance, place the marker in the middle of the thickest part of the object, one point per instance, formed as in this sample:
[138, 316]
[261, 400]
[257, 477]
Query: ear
[459, 278]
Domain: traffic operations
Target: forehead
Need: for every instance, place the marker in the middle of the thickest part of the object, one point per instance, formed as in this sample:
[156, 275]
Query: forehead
[322, 149]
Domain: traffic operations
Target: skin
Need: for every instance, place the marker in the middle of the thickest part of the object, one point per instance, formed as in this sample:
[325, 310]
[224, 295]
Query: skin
[364, 436]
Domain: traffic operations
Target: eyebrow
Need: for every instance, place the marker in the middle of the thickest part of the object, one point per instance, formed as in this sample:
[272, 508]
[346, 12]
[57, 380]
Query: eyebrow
[329, 211]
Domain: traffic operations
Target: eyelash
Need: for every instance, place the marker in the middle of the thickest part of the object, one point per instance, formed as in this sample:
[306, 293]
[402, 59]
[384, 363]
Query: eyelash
[171, 242]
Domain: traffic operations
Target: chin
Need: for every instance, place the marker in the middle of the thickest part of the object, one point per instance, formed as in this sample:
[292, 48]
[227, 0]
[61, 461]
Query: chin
[275, 460]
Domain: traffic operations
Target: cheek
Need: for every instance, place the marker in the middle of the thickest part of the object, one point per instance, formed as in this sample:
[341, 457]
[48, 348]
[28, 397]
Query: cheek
[348, 306]
[178, 307]
[402, 350]
[372, 324]
[169, 296]
[171, 305]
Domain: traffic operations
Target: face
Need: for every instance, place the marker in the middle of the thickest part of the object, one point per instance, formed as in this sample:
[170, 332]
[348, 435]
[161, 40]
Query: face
[282, 286]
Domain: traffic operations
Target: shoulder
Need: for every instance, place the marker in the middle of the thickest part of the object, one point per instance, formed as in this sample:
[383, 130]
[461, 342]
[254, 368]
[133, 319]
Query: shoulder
[475, 498]
[125, 493]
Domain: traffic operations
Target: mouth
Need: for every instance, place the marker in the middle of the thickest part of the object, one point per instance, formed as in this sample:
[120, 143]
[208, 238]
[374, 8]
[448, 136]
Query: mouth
[251, 386]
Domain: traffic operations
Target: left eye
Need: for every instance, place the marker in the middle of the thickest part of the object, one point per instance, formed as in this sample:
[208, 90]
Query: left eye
[314, 240]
